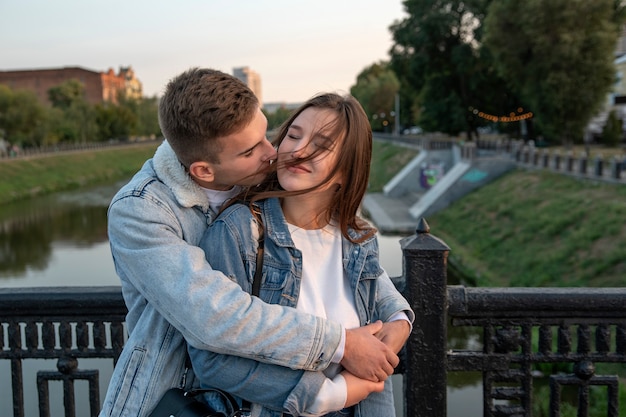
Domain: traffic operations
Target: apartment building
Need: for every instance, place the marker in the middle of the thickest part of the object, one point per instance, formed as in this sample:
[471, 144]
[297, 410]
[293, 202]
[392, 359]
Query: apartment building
[251, 79]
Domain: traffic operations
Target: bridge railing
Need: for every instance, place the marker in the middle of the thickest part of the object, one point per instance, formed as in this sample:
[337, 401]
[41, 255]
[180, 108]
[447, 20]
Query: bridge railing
[601, 168]
[62, 323]
[519, 328]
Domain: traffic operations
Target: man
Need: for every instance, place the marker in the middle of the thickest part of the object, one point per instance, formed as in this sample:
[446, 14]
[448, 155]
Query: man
[215, 142]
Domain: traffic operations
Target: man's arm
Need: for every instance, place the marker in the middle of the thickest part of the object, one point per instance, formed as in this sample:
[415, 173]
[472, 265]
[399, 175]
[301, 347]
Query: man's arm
[360, 349]
[362, 354]
[278, 388]
[257, 382]
[155, 256]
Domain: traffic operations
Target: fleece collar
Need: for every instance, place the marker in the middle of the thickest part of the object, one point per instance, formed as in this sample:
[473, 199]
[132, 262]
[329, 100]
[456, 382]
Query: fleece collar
[173, 174]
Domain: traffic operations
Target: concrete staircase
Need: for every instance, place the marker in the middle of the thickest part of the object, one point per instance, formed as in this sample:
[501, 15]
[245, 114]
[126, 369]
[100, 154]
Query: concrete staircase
[432, 181]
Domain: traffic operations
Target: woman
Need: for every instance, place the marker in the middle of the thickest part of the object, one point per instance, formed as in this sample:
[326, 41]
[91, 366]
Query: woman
[320, 257]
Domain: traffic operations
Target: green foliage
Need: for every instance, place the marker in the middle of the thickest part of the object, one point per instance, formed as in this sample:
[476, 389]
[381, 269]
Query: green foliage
[67, 93]
[387, 160]
[612, 131]
[277, 118]
[444, 72]
[115, 122]
[376, 88]
[557, 56]
[147, 111]
[22, 118]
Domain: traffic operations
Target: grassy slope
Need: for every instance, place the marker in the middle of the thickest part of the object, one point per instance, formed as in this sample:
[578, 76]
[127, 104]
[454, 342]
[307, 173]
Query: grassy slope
[535, 228]
[387, 161]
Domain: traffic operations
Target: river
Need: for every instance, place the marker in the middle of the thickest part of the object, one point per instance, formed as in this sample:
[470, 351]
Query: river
[61, 240]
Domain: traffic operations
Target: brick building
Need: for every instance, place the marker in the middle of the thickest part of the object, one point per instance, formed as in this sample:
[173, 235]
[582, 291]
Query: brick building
[99, 86]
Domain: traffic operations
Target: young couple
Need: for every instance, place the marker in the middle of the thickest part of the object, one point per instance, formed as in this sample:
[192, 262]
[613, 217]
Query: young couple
[325, 332]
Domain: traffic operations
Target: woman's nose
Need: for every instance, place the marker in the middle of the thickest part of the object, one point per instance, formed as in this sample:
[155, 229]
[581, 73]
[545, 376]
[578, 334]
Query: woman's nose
[301, 150]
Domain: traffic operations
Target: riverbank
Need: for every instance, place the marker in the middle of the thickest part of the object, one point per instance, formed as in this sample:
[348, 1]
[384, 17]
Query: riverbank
[28, 177]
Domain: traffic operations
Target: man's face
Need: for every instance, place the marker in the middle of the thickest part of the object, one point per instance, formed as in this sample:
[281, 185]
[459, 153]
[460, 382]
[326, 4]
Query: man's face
[245, 157]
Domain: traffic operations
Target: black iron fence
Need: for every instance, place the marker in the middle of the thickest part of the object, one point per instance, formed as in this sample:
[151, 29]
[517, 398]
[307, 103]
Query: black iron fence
[66, 324]
[520, 328]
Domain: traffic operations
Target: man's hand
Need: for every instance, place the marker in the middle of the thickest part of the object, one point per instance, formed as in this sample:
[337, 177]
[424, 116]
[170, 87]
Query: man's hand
[394, 334]
[366, 356]
[359, 389]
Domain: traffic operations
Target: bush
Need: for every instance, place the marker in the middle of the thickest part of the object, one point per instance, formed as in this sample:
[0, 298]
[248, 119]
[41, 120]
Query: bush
[612, 130]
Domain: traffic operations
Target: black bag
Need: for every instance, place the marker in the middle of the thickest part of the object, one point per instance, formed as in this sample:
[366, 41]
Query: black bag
[179, 403]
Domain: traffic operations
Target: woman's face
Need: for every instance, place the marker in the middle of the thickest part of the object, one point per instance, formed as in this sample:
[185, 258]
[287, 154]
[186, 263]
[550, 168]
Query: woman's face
[308, 134]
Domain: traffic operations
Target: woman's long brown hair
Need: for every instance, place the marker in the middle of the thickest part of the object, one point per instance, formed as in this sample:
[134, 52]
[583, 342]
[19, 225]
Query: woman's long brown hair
[353, 136]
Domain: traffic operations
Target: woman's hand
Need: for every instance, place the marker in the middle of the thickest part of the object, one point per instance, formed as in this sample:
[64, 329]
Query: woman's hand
[359, 389]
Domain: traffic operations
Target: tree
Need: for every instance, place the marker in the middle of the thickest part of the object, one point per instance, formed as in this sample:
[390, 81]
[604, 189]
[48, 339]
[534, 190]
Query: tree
[612, 131]
[76, 118]
[558, 56]
[444, 71]
[277, 117]
[22, 118]
[67, 93]
[114, 121]
[148, 117]
[376, 88]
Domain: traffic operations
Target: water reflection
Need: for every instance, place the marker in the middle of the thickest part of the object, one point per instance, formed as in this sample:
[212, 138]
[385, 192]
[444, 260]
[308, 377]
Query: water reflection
[35, 234]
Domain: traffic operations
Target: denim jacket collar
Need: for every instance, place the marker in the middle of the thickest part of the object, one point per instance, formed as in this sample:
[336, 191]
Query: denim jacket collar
[173, 174]
[278, 230]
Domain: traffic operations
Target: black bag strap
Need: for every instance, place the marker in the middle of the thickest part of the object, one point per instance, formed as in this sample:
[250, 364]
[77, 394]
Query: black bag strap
[258, 273]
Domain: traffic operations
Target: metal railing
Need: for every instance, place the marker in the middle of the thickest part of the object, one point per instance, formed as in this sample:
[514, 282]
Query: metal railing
[520, 328]
[62, 323]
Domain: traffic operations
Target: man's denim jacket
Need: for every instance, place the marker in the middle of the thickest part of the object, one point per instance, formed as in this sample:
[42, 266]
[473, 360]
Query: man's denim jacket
[235, 232]
[155, 224]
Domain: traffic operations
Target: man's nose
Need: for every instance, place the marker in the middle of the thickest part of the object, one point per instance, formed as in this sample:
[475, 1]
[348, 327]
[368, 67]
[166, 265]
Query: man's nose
[270, 151]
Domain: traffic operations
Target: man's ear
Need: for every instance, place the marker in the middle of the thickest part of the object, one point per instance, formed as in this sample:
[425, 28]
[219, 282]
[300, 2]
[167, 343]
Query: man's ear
[202, 171]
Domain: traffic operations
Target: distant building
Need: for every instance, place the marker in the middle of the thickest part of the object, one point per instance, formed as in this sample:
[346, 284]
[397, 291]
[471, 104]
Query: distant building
[251, 79]
[272, 107]
[99, 86]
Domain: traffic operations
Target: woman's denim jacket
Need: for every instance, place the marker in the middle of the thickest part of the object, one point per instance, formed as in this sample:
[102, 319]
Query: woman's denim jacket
[235, 232]
[155, 224]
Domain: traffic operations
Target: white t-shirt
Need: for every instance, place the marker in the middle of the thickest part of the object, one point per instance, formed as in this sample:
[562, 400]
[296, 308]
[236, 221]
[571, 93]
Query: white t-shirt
[217, 198]
[326, 293]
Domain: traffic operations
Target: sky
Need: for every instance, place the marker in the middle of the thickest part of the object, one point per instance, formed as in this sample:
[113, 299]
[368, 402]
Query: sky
[299, 48]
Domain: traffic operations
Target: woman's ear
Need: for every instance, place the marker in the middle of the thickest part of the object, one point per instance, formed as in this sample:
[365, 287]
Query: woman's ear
[202, 171]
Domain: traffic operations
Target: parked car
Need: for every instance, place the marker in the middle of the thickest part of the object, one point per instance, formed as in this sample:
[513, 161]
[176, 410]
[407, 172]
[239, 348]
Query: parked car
[413, 130]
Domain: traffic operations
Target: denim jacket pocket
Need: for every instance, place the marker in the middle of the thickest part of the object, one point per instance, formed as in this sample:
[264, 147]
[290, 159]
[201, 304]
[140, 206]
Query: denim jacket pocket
[123, 402]
[272, 286]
